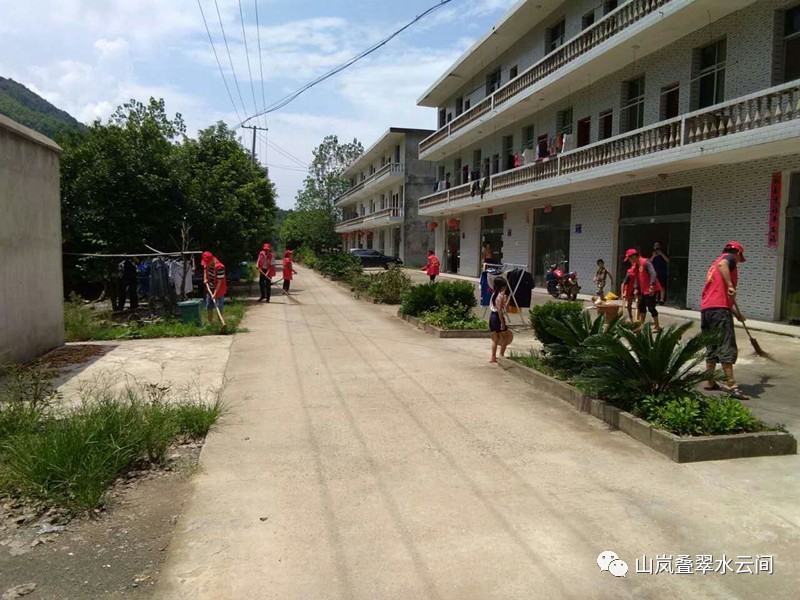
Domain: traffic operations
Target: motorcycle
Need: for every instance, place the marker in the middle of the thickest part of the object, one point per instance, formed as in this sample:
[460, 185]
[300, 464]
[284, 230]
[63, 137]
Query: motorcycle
[561, 282]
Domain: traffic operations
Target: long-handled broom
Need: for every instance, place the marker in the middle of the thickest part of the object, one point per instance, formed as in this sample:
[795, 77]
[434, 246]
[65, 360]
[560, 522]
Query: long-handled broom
[753, 341]
[224, 329]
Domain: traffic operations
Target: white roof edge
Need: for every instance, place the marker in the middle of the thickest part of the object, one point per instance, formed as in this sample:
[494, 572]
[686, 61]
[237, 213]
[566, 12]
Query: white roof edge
[472, 49]
[380, 140]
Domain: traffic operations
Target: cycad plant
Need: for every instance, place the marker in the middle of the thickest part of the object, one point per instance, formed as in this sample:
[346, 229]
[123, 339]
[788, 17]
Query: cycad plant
[572, 331]
[627, 366]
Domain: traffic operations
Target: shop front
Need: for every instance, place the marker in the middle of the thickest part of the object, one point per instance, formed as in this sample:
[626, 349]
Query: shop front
[491, 250]
[551, 234]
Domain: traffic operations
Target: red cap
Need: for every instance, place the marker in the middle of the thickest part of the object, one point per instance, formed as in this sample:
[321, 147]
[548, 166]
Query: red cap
[736, 246]
[630, 252]
[265, 247]
[206, 258]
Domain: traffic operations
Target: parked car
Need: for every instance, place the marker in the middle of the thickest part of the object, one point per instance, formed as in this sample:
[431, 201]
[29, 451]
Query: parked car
[373, 258]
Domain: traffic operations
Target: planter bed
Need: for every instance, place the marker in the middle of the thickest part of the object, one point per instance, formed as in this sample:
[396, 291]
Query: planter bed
[677, 448]
[446, 333]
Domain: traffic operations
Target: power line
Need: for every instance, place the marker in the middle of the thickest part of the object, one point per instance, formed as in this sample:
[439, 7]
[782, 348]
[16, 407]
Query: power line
[230, 58]
[219, 64]
[293, 96]
[284, 152]
[261, 72]
[247, 55]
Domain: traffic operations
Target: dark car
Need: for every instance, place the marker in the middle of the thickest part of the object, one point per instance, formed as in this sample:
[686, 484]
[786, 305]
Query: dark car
[373, 258]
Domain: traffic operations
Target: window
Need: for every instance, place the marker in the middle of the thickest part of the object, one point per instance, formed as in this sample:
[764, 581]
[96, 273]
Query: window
[495, 164]
[528, 139]
[512, 72]
[708, 85]
[449, 117]
[457, 171]
[541, 146]
[441, 173]
[564, 121]
[610, 5]
[556, 35]
[459, 105]
[791, 44]
[492, 82]
[467, 104]
[670, 101]
[476, 160]
[442, 117]
[605, 128]
[633, 104]
[397, 153]
[584, 131]
[588, 20]
[508, 152]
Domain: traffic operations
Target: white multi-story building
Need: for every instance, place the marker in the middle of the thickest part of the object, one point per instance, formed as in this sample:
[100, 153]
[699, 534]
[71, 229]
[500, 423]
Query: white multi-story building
[574, 130]
[380, 210]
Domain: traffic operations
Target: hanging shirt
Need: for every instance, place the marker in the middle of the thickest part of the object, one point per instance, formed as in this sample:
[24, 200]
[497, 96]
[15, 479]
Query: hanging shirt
[715, 292]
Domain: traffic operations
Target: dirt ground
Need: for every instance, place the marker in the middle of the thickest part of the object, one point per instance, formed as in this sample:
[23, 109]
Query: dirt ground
[113, 553]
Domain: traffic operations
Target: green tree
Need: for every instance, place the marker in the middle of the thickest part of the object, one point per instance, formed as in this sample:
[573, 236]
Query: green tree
[314, 219]
[228, 199]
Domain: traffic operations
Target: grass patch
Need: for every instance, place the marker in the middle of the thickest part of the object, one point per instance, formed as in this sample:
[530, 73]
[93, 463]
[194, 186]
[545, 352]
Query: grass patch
[535, 361]
[70, 457]
[82, 324]
[454, 318]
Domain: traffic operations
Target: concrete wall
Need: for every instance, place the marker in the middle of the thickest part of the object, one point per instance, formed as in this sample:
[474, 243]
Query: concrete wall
[417, 238]
[31, 294]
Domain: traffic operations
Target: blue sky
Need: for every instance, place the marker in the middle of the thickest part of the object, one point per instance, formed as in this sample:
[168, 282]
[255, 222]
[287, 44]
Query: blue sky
[89, 56]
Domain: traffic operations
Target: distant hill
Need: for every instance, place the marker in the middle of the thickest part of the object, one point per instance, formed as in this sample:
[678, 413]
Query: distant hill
[31, 110]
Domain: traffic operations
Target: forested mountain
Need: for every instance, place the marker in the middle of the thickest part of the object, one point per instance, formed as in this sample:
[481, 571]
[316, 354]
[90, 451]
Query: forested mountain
[31, 110]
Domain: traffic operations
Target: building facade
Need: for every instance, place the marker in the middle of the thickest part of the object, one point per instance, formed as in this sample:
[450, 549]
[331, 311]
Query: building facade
[381, 209]
[32, 294]
[575, 130]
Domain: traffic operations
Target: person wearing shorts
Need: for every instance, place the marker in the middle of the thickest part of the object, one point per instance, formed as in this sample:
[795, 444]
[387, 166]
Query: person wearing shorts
[646, 285]
[498, 323]
[716, 316]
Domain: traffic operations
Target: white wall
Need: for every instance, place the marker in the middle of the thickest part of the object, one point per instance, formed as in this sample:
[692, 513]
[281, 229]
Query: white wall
[32, 293]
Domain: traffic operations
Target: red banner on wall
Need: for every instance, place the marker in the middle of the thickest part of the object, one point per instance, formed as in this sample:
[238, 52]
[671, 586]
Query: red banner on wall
[774, 210]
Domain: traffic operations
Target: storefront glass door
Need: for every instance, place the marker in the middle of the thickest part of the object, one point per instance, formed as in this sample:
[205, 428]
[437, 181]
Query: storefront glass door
[453, 250]
[791, 269]
[551, 230]
[663, 217]
[491, 240]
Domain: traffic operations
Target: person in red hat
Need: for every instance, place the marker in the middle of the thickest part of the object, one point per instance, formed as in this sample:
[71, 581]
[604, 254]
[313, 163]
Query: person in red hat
[716, 315]
[215, 284]
[266, 271]
[432, 268]
[288, 271]
[645, 286]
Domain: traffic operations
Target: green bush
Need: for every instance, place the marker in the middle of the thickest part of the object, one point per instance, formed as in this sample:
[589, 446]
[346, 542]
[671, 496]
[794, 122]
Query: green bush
[359, 282]
[540, 316]
[419, 299]
[726, 415]
[390, 286]
[452, 293]
[626, 366]
[453, 317]
[681, 417]
[339, 265]
[306, 256]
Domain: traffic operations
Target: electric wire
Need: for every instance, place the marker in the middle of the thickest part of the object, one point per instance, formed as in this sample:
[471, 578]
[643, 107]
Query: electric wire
[247, 55]
[285, 153]
[294, 95]
[219, 64]
[230, 58]
[261, 73]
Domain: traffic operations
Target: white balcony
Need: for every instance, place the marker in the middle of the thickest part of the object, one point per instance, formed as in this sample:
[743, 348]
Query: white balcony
[759, 125]
[383, 177]
[598, 51]
[380, 218]
[351, 225]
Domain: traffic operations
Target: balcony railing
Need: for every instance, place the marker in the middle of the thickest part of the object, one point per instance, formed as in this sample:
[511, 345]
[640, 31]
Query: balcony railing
[609, 26]
[390, 169]
[352, 221]
[392, 213]
[768, 107]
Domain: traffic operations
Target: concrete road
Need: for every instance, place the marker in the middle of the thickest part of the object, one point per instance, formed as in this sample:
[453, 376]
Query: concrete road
[365, 459]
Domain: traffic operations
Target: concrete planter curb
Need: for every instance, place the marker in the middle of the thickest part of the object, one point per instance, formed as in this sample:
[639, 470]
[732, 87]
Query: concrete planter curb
[348, 288]
[676, 448]
[446, 333]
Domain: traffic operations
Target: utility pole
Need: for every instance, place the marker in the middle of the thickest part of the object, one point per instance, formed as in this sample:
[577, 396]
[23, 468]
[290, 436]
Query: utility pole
[255, 129]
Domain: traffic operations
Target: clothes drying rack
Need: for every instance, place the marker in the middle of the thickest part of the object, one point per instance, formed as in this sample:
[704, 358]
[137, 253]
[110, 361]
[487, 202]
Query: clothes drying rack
[504, 269]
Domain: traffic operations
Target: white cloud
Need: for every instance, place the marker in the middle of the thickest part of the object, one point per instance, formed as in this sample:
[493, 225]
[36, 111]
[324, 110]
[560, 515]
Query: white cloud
[111, 48]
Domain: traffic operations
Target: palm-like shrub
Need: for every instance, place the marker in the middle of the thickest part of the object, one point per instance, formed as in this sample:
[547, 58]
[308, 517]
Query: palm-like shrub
[627, 366]
[542, 314]
[572, 332]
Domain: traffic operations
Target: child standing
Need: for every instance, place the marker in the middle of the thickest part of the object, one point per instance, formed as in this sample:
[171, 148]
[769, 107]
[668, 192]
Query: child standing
[600, 277]
[502, 336]
[288, 271]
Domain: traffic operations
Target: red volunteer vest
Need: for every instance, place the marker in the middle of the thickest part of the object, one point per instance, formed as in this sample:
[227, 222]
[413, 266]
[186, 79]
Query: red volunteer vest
[715, 294]
[644, 278]
[433, 266]
[287, 269]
